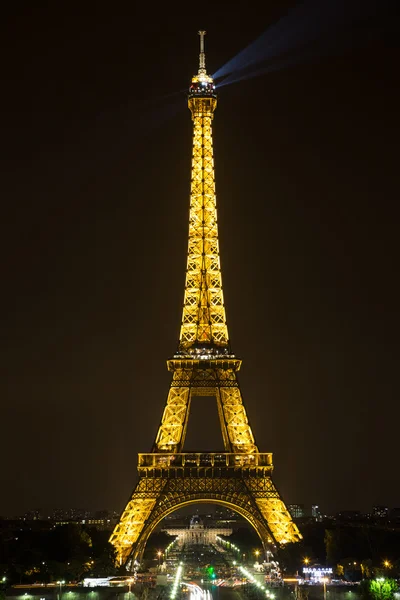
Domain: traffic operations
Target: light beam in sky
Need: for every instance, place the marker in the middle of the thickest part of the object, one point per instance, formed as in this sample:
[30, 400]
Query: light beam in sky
[310, 29]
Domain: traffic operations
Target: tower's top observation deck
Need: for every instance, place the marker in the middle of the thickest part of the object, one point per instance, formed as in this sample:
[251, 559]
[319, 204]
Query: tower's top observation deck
[202, 84]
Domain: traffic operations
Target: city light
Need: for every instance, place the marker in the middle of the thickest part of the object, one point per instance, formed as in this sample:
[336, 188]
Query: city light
[226, 543]
[60, 583]
[318, 571]
[178, 576]
[253, 580]
[130, 581]
[168, 548]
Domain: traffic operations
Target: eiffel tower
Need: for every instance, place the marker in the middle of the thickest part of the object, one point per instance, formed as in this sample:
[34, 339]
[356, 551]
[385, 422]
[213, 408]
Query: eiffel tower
[203, 365]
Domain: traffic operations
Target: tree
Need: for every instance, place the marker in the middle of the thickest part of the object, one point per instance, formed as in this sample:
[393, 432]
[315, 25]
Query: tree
[332, 543]
[366, 568]
[340, 570]
[378, 589]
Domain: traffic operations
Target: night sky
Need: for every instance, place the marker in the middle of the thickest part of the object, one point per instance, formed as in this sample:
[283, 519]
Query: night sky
[94, 184]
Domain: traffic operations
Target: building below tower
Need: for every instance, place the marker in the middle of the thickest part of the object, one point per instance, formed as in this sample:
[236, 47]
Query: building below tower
[296, 510]
[197, 532]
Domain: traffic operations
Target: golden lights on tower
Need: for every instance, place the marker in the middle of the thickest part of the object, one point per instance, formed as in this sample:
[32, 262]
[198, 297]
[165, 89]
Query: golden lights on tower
[203, 365]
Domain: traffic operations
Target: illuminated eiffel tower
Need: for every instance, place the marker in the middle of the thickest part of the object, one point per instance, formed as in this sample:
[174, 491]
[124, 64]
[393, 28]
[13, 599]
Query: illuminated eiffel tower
[240, 477]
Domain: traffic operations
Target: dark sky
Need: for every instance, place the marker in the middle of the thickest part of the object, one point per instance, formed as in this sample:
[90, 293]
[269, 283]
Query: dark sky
[94, 185]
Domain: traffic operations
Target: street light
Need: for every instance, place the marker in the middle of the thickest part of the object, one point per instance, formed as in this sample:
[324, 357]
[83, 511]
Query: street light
[306, 561]
[60, 583]
[159, 554]
[324, 581]
[129, 584]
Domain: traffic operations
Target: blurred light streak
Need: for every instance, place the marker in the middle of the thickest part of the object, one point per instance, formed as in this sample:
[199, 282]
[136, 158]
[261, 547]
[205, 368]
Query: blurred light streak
[332, 21]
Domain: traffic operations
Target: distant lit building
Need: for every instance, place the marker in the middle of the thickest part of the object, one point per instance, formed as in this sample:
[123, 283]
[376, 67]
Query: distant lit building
[33, 515]
[296, 510]
[99, 523]
[316, 513]
[317, 574]
[101, 519]
[197, 533]
[71, 514]
[380, 512]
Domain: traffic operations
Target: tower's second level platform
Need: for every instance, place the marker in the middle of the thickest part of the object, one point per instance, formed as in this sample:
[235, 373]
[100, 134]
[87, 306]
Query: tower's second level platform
[183, 464]
[204, 357]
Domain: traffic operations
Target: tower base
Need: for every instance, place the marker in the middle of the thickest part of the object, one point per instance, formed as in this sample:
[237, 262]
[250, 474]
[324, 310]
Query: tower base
[167, 482]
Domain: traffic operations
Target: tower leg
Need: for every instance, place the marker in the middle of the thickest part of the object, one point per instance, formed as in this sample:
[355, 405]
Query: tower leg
[172, 429]
[136, 513]
[273, 510]
[239, 431]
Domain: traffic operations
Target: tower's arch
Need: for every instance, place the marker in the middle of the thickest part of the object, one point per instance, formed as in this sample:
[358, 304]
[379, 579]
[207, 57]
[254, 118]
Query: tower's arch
[168, 482]
[238, 505]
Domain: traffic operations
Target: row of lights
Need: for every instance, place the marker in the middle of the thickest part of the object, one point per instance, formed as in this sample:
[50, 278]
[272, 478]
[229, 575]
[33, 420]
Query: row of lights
[252, 579]
[386, 563]
[70, 592]
[168, 548]
[229, 544]
[176, 581]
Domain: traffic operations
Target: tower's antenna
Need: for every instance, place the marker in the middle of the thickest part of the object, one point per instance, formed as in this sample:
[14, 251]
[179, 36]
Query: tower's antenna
[202, 57]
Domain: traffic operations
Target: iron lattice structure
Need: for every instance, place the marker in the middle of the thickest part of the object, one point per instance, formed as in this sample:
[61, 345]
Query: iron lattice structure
[203, 365]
